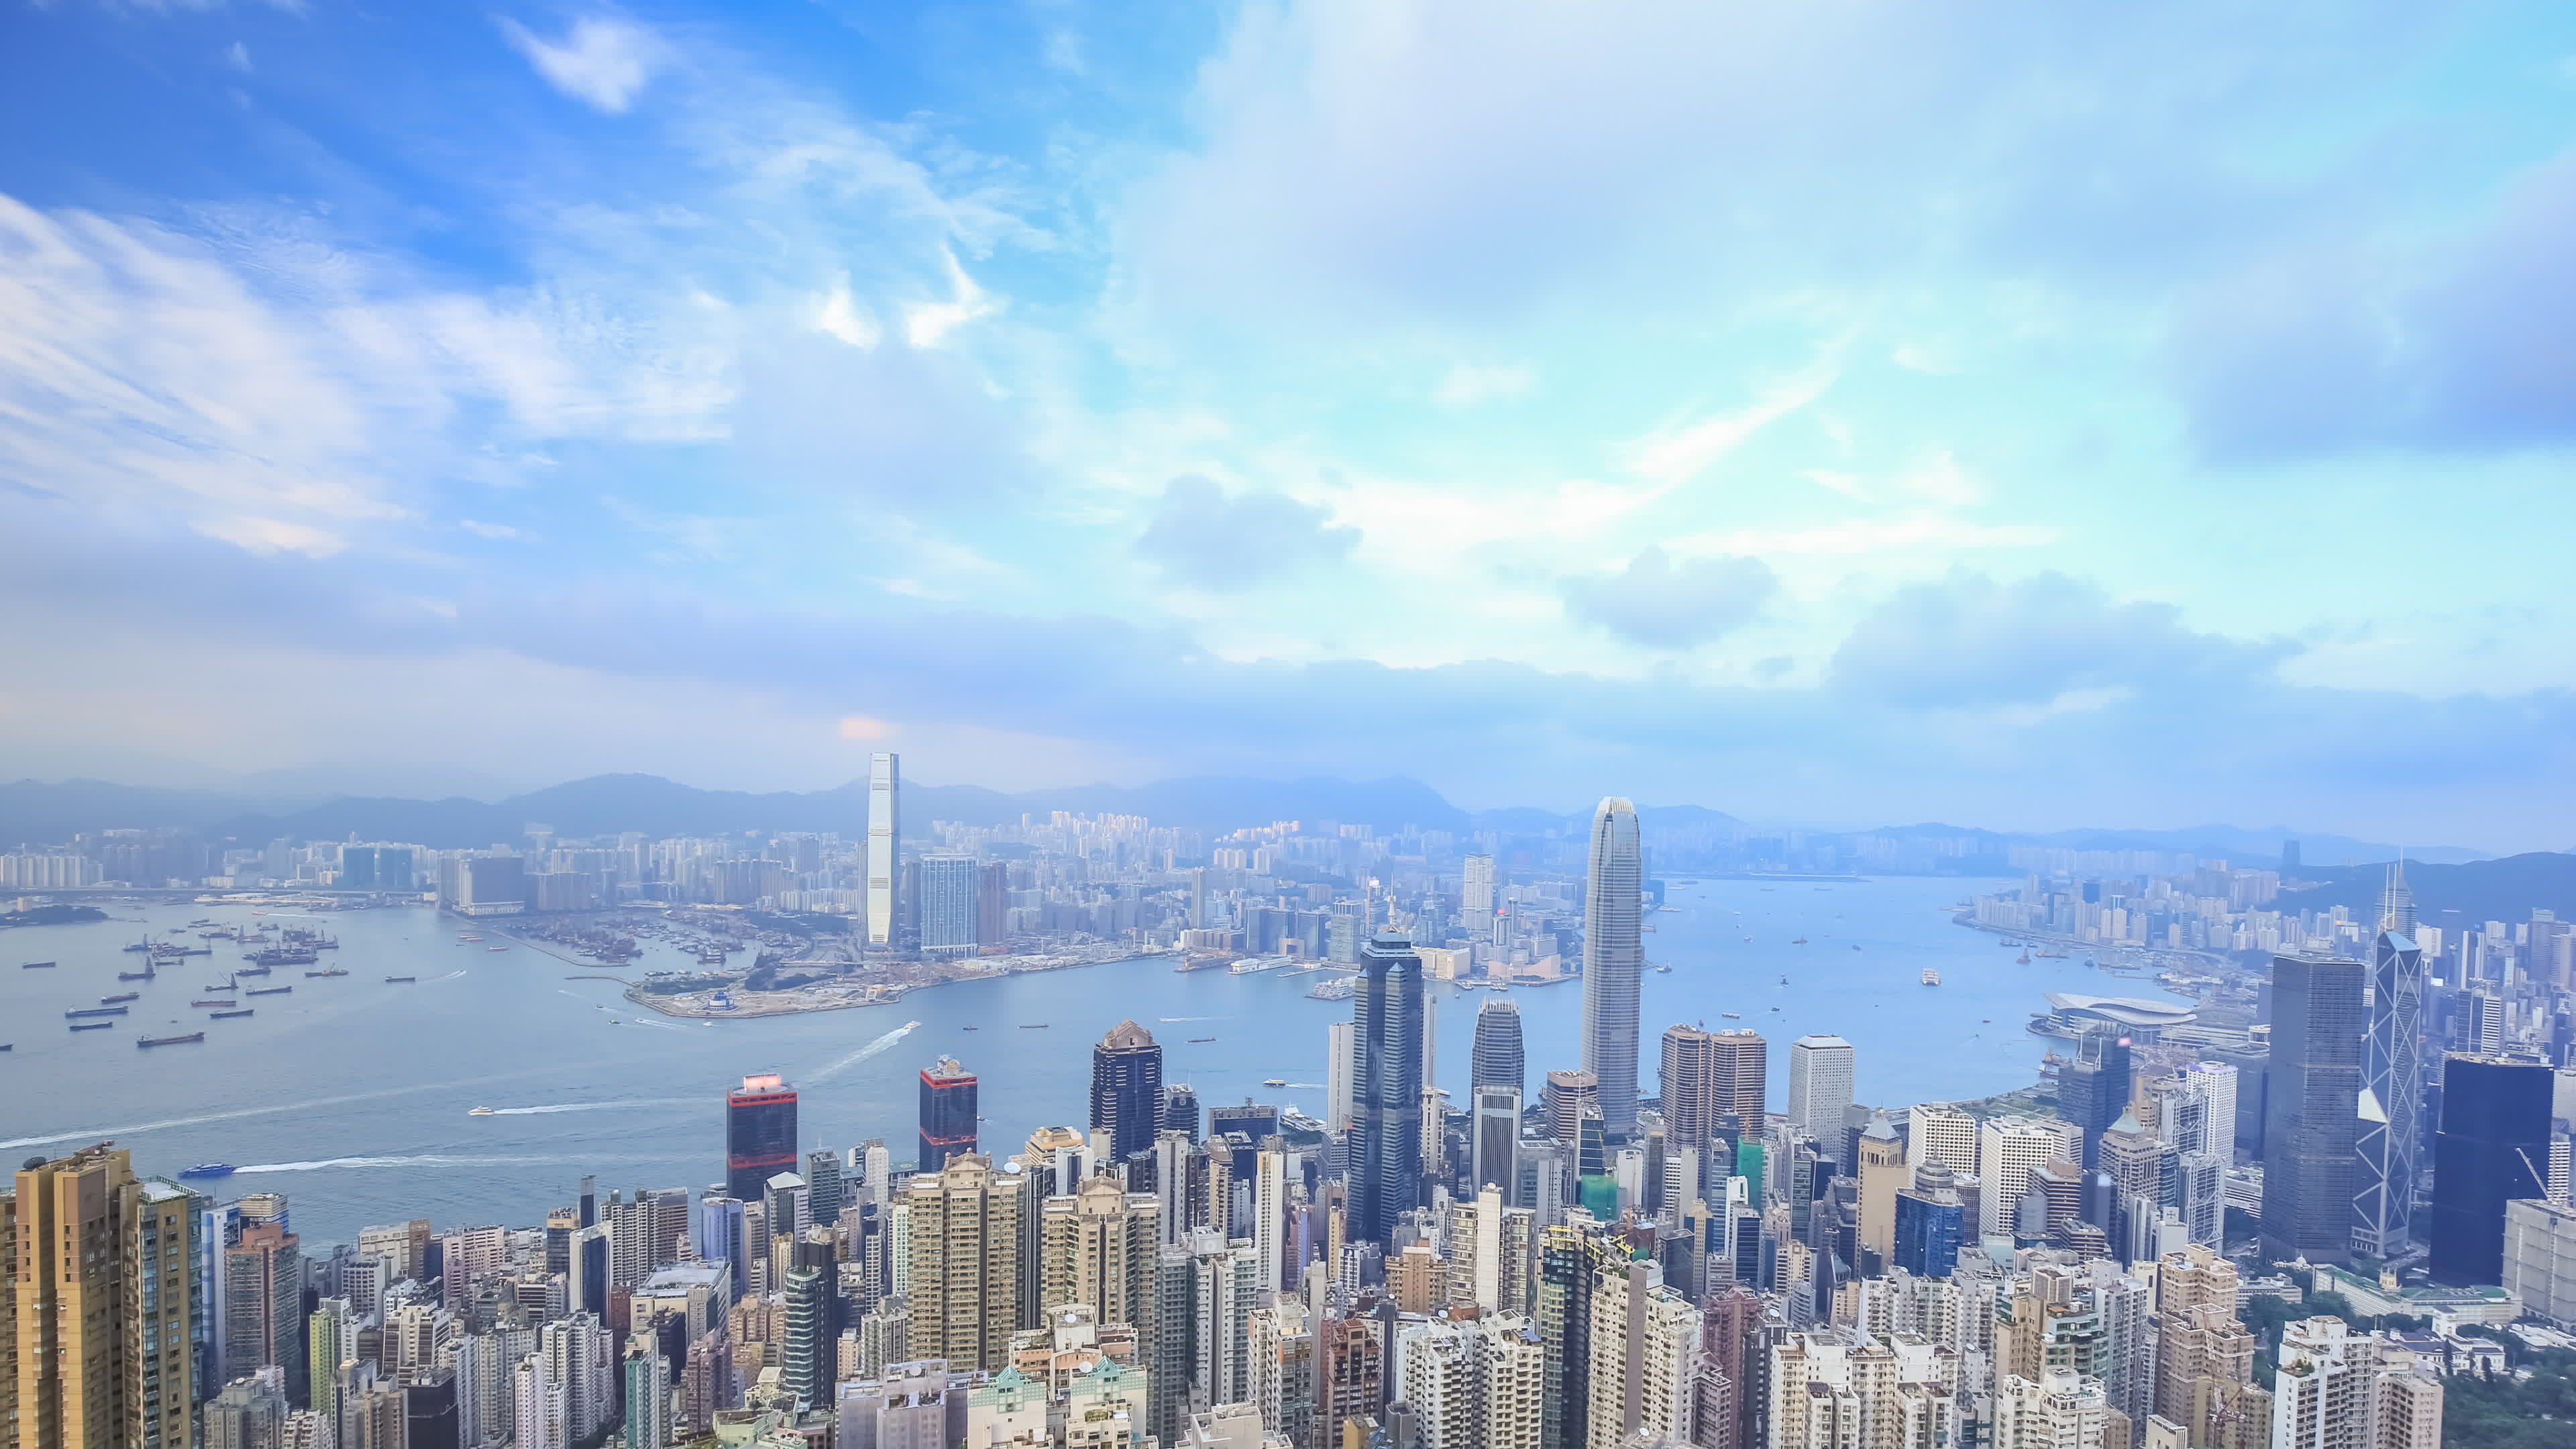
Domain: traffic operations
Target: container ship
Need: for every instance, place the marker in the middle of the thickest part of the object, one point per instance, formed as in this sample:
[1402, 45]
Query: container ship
[154, 1041]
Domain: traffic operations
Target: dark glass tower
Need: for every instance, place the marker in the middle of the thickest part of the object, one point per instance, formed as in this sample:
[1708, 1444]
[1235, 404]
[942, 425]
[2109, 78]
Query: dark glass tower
[760, 1136]
[1496, 1059]
[1127, 1089]
[1614, 962]
[1181, 1109]
[2093, 1090]
[2493, 1146]
[1386, 1106]
[1930, 1222]
[2311, 1132]
[947, 1113]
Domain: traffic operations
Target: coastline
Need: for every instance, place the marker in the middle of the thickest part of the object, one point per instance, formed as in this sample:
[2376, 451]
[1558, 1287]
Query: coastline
[839, 996]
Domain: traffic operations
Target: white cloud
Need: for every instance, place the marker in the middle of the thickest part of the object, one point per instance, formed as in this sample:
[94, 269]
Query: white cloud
[272, 535]
[601, 63]
[487, 530]
[1939, 479]
[1920, 531]
[841, 315]
[238, 57]
[1466, 384]
[1674, 456]
[926, 323]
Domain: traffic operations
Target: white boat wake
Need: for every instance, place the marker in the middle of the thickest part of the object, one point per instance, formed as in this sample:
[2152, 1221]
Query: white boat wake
[550, 1108]
[863, 1053]
[427, 1160]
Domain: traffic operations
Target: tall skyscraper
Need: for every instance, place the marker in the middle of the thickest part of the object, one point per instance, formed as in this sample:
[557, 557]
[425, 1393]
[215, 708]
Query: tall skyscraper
[760, 1135]
[1709, 1076]
[2310, 1136]
[1341, 1077]
[2493, 1147]
[94, 1302]
[967, 1253]
[1127, 1089]
[1496, 1060]
[947, 1113]
[1097, 1245]
[2392, 1078]
[1494, 1151]
[948, 905]
[2093, 1089]
[1614, 961]
[1386, 1113]
[885, 832]
[1476, 893]
[1820, 1090]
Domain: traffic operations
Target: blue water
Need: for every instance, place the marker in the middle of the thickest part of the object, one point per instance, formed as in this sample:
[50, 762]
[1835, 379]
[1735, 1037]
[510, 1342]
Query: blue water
[351, 1094]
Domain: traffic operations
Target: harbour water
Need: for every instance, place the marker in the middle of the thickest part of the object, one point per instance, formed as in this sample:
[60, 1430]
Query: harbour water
[352, 1094]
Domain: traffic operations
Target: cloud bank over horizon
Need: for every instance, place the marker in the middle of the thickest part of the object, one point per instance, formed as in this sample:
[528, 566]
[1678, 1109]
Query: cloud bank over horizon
[1874, 411]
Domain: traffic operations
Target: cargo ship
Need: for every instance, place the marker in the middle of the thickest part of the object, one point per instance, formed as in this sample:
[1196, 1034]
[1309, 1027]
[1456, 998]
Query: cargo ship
[81, 1011]
[153, 1041]
[400, 980]
[120, 996]
[334, 971]
[268, 991]
[92, 1025]
[216, 1001]
[35, 965]
[227, 1015]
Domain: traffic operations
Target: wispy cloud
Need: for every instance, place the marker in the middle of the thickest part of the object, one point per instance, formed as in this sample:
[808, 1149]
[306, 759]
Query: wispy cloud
[600, 62]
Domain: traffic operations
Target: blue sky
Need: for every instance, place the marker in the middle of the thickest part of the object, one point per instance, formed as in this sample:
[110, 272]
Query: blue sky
[1866, 411]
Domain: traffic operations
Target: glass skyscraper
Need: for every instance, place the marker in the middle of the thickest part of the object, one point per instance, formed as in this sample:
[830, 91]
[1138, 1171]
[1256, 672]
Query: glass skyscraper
[2310, 1137]
[947, 1113]
[2392, 1077]
[760, 1135]
[1127, 1089]
[1614, 961]
[1497, 1060]
[1386, 1113]
[2493, 1147]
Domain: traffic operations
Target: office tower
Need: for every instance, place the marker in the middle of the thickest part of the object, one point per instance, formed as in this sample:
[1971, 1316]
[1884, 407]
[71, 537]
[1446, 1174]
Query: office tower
[947, 1113]
[2540, 1257]
[94, 1307]
[1695, 1078]
[1341, 1075]
[885, 830]
[1181, 1110]
[2137, 1166]
[825, 1190]
[2093, 1089]
[1473, 1385]
[1882, 1174]
[264, 1304]
[1614, 962]
[967, 1229]
[2493, 1146]
[2392, 1079]
[1493, 1153]
[648, 1395]
[1939, 1132]
[1496, 1060]
[1127, 1089]
[1386, 1115]
[813, 1282]
[1097, 1246]
[947, 923]
[760, 1135]
[1930, 1223]
[1820, 1090]
[2214, 1085]
[2009, 1151]
[2309, 1138]
[1566, 1098]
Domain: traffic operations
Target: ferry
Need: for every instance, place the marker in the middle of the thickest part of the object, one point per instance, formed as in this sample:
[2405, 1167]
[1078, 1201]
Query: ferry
[227, 1015]
[209, 1169]
[496, 948]
[478, 1111]
[154, 1041]
[1931, 977]
[467, 936]
[1033, 1026]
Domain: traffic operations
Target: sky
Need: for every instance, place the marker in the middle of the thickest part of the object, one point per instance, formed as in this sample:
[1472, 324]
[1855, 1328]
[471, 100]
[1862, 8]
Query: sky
[1858, 412]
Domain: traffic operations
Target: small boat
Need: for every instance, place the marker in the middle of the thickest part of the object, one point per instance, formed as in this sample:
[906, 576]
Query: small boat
[1855, 945]
[1931, 977]
[973, 1028]
[334, 971]
[1799, 942]
[227, 1015]
[1033, 1026]
[1784, 980]
[92, 1025]
[1732, 1015]
[250, 971]
[35, 965]
[478, 1111]
[2022, 960]
[209, 1169]
[153, 1041]
[268, 991]
[120, 996]
[7, 1045]
[81, 1011]
[496, 948]
[1274, 1081]
[1202, 1038]
[400, 980]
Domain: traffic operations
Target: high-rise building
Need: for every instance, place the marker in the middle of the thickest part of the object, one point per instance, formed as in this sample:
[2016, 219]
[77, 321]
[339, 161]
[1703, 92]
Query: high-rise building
[1882, 1174]
[264, 1301]
[1493, 1153]
[1341, 1077]
[1490, 1253]
[1473, 1384]
[2493, 1147]
[1820, 1091]
[1097, 1246]
[1931, 1223]
[1614, 961]
[648, 1395]
[1127, 1089]
[885, 832]
[1476, 892]
[2335, 1390]
[2060, 1408]
[760, 1134]
[1708, 1078]
[947, 1113]
[2009, 1151]
[947, 922]
[1386, 1116]
[2093, 1089]
[95, 1345]
[2392, 1078]
[1568, 1097]
[2310, 1135]
[1939, 1132]
[967, 1229]
[1496, 1059]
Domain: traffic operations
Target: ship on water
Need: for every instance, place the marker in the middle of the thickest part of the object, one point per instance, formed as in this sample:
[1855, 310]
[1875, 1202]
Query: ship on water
[209, 1169]
[158, 1041]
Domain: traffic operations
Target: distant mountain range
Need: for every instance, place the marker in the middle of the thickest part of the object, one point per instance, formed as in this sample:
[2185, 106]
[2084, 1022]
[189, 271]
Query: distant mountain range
[2453, 897]
[609, 804]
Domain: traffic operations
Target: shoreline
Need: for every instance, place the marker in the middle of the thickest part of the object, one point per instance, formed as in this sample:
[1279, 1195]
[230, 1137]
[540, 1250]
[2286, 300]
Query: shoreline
[801, 1000]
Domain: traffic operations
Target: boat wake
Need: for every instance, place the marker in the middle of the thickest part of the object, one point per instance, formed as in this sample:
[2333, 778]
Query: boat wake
[550, 1108]
[166, 1123]
[328, 1164]
[863, 1053]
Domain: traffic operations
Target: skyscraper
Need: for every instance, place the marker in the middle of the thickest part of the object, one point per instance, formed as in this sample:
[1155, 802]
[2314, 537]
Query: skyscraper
[1386, 1111]
[2493, 1147]
[1709, 1076]
[948, 905]
[2392, 1078]
[885, 784]
[1476, 893]
[1341, 1077]
[1614, 961]
[1496, 1060]
[2310, 1135]
[947, 1113]
[967, 1249]
[1493, 1153]
[760, 1134]
[1127, 1089]
[94, 1298]
[2093, 1089]
[1097, 1245]
[1820, 1090]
